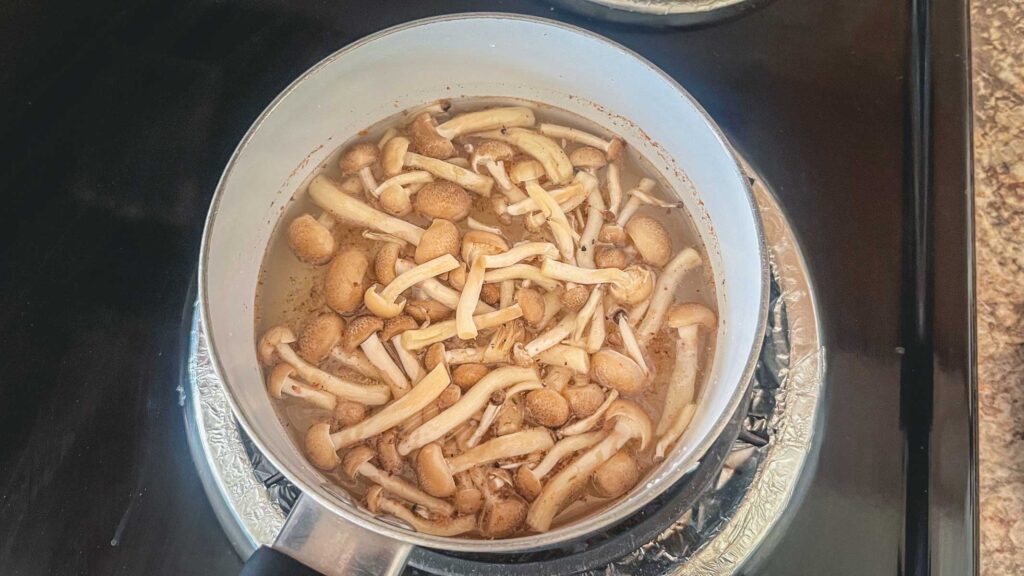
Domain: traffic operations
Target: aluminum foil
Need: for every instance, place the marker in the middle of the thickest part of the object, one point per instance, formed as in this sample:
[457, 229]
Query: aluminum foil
[718, 535]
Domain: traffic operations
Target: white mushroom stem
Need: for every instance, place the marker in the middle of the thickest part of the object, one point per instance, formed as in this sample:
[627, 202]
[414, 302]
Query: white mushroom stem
[559, 224]
[423, 337]
[466, 328]
[567, 198]
[387, 135]
[404, 489]
[638, 197]
[556, 163]
[581, 137]
[665, 291]
[497, 171]
[369, 394]
[584, 316]
[596, 336]
[521, 272]
[508, 446]
[682, 384]
[295, 389]
[519, 253]
[345, 208]
[470, 402]
[490, 413]
[595, 220]
[447, 171]
[475, 224]
[565, 447]
[436, 291]
[417, 274]
[637, 312]
[404, 179]
[508, 293]
[572, 357]
[489, 119]
[410, 363]
[440, 527]
[417, 399]
[674, 431]
[630, 343]
[552, 306]
[569, 273]
[588, 423]
[613, 181]
[553, 336]
[382, 237]
[378, 355]
[356, 360]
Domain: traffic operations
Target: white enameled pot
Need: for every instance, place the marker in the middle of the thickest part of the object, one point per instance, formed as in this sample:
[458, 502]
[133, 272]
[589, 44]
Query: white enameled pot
[478, 55]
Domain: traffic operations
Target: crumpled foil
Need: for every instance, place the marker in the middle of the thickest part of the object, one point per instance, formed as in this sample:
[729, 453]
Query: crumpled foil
[717, 536]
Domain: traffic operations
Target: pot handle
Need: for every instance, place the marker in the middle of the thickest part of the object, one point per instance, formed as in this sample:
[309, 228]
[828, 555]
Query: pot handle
[314, 540]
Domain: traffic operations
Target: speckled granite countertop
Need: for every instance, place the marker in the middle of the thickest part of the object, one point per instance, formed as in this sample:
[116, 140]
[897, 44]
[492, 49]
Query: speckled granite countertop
[998, 53]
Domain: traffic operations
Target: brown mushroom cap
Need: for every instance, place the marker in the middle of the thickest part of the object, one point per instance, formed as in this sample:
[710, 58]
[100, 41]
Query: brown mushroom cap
[345, 281]
[618, 372]
[527, 483]
[352, 186]
[426, 140]
[434, 356]
[468, 498]
[393, 155]
[495, 150]
[634, 416]
[384, 262]
[478, 242]
[359, 329]
[466, 375]
[443, 199]
[277, 379]
[387, 452]
[651, 240]
[584, 400]
[588, 157]
[639, 287]
[546, 408]
[358, 157]
[490, 294]
[612, 234]
[395, 200]
[692, 313]
[349, 413]
[310, 240]
[374, 496]
[433, 473]
[267, 350]
[397, 325]
[575, 297]
[532, 304]
[503, 515]
[442, 237]
[355, 458]
[509, 418]
[320, 448]
[611, 257]
[428, 309]
[319, 336]
[457, 277]
[449, 396]
[526, 171]
[616, 476]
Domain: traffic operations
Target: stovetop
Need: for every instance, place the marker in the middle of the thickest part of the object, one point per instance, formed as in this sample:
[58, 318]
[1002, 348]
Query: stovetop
[119, 118]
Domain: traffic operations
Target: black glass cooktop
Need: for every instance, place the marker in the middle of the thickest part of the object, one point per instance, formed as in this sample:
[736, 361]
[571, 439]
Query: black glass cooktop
[118, 117]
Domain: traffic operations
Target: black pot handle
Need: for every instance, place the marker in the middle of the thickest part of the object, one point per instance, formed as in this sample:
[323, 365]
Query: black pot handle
[266, 561]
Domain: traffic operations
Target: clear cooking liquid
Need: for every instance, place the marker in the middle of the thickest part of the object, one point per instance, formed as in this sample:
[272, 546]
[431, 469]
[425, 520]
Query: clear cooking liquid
[290, 292]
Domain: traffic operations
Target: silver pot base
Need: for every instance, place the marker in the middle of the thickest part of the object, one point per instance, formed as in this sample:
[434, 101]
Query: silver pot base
[719, 518]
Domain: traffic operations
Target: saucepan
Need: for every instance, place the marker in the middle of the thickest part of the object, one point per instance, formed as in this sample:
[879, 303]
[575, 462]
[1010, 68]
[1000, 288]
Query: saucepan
[447, 57]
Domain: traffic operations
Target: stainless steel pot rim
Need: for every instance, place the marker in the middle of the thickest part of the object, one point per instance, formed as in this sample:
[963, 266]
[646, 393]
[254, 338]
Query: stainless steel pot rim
[575, 530]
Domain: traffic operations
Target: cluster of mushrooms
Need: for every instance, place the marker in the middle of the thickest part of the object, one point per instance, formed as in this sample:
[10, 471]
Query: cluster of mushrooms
[475, 382]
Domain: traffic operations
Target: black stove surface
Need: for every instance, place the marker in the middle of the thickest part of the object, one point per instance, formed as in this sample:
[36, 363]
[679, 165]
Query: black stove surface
[119, 117]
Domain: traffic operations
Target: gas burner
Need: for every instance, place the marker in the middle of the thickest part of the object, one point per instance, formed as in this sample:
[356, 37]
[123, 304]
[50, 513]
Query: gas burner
[712, 521]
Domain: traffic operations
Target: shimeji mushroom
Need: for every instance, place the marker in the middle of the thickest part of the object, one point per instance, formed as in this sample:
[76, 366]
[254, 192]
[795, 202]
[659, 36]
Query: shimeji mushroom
[651, 240]
[467, 179]
[441, 331]
[310, 240]
[474, 224]
[357, 160]
[427, 310]
[463, 410]
[551, 156]
[629, 341]
[349, 413]
[275, 344]
[615, 233]
[493, 154]
[557, 378]
[528, 479]
[640, 196]
[610, 257]
[567, 198]
[612, 148]
[688, 320]
[280, 382]
[443, 199]
[575, 297]
[432, 471]
[619, 372]
[362, 333]
[596, 335]
[345, 280]
[327, 195]
[500, 401]
[357, 361]
[613, 182]
[425, 139]
[595, 219]
[546, 407]
[664, 291]
[465, 376]
[468, 499]
[587, 395]
[588, 159]
[585, 400]
[357, 463]
[587, 312]
[384, 262]
[387, 301]
[488, 119]
[630, 285]
[393, 330]
[319, 336]
[521, 252]
[552, 336]
[393, 194]
[499, 350]
[439, 292]
[564, 355]
[552, 303]
[521, 272]
[322, 446]
[628, 422]
[563, 234]
[616, 476]
[501, 448]
[504, 511]
[378, 503]
[442, 237]
[532, 305]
